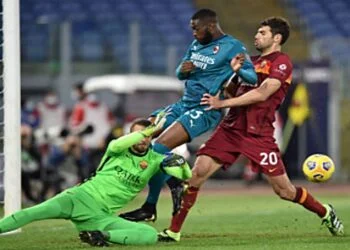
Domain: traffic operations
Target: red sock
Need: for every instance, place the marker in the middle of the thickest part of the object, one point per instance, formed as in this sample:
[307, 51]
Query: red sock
[309, 202]
[188, 201]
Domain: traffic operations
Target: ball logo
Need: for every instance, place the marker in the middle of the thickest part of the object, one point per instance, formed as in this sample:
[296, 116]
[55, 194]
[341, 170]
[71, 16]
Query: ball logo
[318, 177]
[282, 67]
[216, 49]
[143, 164]
[326, 165]
[311, 165]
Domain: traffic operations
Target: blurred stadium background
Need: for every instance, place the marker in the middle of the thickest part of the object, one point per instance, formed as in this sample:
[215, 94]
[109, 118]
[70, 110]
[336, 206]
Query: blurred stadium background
[67, 41]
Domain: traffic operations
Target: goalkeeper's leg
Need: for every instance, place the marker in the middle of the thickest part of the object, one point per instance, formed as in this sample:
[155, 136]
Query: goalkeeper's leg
[59, 207]
[121, 231]
[131, 233]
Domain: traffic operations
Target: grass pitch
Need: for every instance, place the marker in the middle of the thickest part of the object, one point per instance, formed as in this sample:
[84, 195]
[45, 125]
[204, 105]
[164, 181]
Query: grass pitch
[220, 220]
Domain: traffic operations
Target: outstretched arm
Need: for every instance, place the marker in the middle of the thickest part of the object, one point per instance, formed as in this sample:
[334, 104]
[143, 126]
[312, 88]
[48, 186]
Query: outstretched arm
[248, 75]
[125, 142]
[245, 69]
[119, 145]
[242, 66]
[260, 94]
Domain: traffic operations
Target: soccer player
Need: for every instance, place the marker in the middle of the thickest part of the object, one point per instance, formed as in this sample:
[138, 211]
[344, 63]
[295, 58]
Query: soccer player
[124, 171]
[247, 129]
[205, 68]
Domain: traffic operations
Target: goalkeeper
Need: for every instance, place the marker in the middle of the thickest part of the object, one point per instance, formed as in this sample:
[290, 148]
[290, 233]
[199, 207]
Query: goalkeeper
[124, 171]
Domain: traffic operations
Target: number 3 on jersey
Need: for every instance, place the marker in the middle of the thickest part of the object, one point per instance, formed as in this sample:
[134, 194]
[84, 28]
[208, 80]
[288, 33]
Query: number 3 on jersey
[268, 158]
[194, 114]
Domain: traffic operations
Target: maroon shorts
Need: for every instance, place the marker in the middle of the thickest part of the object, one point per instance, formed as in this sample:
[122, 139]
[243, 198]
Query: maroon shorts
[226, 145]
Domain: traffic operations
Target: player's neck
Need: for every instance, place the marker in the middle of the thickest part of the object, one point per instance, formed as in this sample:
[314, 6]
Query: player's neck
[218, 33]
[271, 50]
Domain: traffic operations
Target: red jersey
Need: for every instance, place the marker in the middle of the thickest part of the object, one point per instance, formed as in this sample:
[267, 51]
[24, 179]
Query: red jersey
[258, 118]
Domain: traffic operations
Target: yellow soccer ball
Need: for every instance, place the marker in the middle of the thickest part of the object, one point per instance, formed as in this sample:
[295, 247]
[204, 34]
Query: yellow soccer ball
[318, 168]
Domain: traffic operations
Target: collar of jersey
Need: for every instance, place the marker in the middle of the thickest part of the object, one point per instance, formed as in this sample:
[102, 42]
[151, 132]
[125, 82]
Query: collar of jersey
[220, 37]
[272, 53]
[136, 154]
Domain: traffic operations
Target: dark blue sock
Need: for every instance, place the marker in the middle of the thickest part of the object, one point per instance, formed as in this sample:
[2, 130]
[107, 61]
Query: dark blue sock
[157, 181]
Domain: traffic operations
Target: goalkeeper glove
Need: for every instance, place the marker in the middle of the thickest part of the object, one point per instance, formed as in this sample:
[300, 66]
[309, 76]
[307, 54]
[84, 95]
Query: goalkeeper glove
[175, 165]
[156, 126]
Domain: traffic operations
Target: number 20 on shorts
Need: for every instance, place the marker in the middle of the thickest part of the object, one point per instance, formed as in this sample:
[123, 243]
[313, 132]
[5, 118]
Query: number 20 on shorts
[268, 158]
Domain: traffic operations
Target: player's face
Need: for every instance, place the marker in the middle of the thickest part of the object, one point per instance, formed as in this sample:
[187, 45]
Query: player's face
[201, 31]
[143, 145]
[263, 38]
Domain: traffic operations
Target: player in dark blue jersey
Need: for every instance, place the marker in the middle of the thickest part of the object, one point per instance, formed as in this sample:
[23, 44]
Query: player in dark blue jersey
[210, 61]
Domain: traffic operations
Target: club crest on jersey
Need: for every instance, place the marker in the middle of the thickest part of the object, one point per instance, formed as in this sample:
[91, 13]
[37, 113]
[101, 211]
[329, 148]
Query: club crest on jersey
[216, 49]
[143, 164]
[263, 64]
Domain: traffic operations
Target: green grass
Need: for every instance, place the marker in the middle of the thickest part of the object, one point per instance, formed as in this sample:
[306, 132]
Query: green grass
[218, 221]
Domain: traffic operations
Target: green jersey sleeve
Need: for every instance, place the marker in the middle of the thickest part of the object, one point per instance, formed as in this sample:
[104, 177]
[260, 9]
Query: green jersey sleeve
[119, 145]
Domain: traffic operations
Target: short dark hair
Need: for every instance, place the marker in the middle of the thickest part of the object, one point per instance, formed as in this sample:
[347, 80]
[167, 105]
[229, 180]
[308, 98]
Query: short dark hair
[140, 121]
[205, 14]
[278, 25]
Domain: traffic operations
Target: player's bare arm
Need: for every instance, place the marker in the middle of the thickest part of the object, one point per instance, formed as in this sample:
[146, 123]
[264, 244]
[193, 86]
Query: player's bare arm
[260, 94]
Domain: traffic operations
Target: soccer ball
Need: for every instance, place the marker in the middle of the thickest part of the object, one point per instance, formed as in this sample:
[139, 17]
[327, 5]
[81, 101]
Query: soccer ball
[318, 168]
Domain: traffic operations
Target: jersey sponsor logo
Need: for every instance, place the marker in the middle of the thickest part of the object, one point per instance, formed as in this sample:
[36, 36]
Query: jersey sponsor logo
[282, 67]
[281, 72]
[143, 164]
[201, 61]
[127, 177]
[216, 49]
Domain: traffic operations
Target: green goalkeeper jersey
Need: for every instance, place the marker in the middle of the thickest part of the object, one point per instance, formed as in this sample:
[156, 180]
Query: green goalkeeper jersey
[122, 174]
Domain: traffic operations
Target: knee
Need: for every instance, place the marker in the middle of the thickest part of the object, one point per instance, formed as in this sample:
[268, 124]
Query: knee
[201, 171]
[150, 235]
[154, 236]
